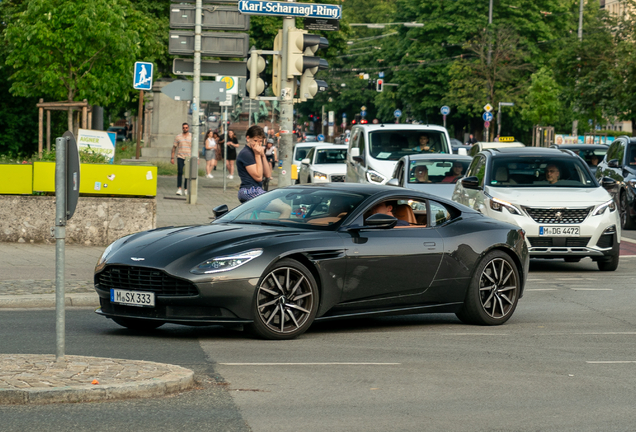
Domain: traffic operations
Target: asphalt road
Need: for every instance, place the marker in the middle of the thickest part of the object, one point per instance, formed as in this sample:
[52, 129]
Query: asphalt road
[564, 362]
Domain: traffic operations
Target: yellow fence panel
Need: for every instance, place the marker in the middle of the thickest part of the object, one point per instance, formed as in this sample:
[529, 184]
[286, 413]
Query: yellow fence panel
[16, 179]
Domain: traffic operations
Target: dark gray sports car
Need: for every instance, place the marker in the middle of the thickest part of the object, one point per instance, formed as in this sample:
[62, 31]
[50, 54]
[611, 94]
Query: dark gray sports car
[316, 252]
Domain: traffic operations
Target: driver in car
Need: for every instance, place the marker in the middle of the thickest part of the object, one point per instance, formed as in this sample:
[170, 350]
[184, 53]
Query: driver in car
[386, 208]
[552, 174]
[424, 145]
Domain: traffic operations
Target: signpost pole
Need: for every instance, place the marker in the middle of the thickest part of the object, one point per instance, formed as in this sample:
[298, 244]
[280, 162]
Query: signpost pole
[444, 120]
[224, 148]
[286, 110]
[60, 236]
[140, 117]
[196, 91]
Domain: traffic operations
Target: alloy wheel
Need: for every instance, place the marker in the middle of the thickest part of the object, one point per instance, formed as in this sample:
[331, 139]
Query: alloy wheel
[498, 288]
[285, 300]
[623, 210]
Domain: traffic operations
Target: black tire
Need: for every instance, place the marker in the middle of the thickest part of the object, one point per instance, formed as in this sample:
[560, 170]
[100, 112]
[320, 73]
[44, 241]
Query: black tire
[138, 324]
[286, 301]
[623, 207]
[493, 293]
[608, 264]
[572, 260]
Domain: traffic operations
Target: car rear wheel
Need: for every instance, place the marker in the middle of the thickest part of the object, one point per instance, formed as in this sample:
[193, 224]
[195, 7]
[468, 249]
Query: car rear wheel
[493, 292]
[286, 301]
[608, 264]
[138, 324]
[626, 219]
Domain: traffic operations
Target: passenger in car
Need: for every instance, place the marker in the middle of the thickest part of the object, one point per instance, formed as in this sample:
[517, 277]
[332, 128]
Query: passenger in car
[454, 174]
[421, 174]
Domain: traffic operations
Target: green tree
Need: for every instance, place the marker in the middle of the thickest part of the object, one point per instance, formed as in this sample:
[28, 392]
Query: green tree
[543, 104]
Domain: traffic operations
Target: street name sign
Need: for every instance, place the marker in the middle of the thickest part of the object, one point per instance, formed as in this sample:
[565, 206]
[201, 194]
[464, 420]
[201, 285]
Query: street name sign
[285, 9]
[210, 67]
[142, 78]
[210, 91]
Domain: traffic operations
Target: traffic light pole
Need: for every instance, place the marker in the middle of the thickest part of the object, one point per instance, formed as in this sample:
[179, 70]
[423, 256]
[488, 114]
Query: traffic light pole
[286, 110]
[193, 173]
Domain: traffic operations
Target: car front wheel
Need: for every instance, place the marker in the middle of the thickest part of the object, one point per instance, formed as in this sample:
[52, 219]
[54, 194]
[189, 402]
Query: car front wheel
[286, 301]
[493, 292]
[608, 264]
[626, 219]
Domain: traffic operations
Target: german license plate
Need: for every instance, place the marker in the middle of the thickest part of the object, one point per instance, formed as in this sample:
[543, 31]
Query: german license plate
[132, 298]
[560, 231]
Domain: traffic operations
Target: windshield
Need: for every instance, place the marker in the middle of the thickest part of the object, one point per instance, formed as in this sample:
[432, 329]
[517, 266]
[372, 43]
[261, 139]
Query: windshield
[437, 171]
[331, 156]
[591, 156]
[301, 153]
[313, 208]
[532, 171]
[393, 144]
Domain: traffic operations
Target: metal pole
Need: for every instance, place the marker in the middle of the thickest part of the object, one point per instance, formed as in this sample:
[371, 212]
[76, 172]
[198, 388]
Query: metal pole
[60, 235]
[196, 89]
[249, 121]
[489, 59]
[575, 123]
[499, 120]
[286, 111]
[140, 116]
[225, 149]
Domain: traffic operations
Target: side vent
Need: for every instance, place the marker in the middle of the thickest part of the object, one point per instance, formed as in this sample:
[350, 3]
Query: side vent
[325, 255]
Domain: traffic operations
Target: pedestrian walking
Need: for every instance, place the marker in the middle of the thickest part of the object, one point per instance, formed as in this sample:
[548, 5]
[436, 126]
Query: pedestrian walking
[232, 144]
[272, 158]
[220, 147]
[210, 153]
[252, 165]
[182, 148]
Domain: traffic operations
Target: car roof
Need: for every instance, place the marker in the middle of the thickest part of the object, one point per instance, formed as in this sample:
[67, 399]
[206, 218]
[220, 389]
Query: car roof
[331, 146]
[311, 144]
[429, 156]
[528, 151]
[581, 146]
[393, 126]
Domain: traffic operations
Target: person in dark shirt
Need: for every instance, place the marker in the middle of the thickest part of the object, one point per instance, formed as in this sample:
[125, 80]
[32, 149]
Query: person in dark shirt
[386, 208]
[252, 165]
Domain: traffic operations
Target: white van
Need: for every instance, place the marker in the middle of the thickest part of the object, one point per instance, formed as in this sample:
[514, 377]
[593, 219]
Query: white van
[374, 149]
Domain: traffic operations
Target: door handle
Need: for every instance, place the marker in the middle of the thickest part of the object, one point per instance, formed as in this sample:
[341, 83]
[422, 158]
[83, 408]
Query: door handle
[429, 243]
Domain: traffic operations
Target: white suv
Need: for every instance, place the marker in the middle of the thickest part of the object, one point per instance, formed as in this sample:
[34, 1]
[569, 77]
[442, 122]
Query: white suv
[374, 149]
[552, 195]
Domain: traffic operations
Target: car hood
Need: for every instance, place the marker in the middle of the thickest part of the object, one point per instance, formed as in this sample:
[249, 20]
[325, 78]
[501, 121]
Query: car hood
[161, 247]
[550, 197]
[330, 168]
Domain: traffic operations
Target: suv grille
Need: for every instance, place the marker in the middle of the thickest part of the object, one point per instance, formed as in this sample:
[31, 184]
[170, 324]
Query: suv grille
[559, 241]
[338, 178]
[558, 215]
[144, 279]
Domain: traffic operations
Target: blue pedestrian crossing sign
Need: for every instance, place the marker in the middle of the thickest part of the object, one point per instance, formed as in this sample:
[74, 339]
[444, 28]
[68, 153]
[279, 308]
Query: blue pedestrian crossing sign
[142, 80]
[487, 116]
[397, 113]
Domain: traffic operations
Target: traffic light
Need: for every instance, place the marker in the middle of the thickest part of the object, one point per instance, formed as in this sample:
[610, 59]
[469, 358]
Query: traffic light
[379, 84]
[277, 64]
[370, 85]
[301, 61]
[255, 85]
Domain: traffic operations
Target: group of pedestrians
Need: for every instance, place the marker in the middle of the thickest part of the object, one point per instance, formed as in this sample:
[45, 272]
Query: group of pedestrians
[254, 163]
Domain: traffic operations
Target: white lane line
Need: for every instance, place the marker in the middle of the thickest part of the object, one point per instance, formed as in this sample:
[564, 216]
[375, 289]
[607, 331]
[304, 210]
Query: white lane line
[628, 256]
[612, 362]
[311, 364]
[543, 289]
[474, 334]
[534, 280]
[591, 289]
[570, 279]
[607, 333]
[628, 240]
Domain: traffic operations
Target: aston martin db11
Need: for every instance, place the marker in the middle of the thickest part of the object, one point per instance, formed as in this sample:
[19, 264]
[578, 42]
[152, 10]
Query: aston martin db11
[308, 253]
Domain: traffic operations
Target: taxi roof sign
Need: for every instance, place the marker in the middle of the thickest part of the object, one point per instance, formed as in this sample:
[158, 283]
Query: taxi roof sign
[506, 139]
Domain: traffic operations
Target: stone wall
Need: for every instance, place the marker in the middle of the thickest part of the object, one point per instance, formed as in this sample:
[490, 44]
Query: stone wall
[97, 221]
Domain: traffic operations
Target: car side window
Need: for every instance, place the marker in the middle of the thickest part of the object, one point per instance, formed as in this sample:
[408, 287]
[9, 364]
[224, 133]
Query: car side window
[353, 140]
[398, 173]
[613, 150]
[620, 152]
[439, 214]
[478, 169]
[310, 155]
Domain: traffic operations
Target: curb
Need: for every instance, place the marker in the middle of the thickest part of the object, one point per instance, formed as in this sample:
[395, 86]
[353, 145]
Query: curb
[48, 301]
[177, 379]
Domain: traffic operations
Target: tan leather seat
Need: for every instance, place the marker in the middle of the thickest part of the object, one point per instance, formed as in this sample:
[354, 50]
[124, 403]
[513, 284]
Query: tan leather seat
[405, 212]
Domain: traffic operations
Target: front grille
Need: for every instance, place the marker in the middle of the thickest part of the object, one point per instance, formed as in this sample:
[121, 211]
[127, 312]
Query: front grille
[144, 279]
[338, 178]
[605, 241]
[558, 215]
[559, 241]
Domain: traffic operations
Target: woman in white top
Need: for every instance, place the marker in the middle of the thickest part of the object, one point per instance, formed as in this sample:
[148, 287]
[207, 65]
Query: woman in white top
[210, 153]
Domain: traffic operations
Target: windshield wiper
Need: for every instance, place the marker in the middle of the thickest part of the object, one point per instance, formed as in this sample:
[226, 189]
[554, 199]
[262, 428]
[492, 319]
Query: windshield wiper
[259, 222]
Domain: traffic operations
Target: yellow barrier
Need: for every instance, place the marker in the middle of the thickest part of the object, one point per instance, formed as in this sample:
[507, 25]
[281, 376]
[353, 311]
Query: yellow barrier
[102, 179]
[16, 179]
[294, 172]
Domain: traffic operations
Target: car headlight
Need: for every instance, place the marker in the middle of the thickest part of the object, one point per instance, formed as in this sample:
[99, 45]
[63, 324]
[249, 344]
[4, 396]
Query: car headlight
[319, 176]
[498, 204]
[230, 262]
[375, 177]
[632, 183]
[600, 209]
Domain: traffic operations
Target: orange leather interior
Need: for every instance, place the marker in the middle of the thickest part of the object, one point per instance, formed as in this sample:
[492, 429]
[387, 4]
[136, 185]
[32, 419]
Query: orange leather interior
[405, 212]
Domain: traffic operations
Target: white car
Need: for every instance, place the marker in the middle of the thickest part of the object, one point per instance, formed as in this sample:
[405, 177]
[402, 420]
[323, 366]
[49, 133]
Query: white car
[301, 150]
[324, 163]
[552, 195]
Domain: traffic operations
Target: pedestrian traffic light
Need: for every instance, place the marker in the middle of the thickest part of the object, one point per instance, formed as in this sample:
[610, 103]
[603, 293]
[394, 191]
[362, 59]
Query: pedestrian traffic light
[379, 84]
[277, 65]
[255, 85]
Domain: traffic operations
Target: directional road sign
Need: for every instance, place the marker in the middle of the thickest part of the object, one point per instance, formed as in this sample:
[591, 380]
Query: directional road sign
[363, 113]
[397, 113]
[210, 67]
[321, 137]
[487, 116]
[487, 107]
[273, 8]
[142, 80]
[445, 110]
[210, 91]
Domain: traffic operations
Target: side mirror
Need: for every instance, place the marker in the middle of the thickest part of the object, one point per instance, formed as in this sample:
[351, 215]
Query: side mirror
[608, 183]
[393, 182]
[354, 152]
[380, 220]
[470, 183]
[613, 163]
[220, 210]
[305, 161]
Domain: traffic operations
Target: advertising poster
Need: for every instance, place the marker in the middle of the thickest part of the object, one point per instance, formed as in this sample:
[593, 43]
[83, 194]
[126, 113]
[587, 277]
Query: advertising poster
[98, 141]
[581, 139]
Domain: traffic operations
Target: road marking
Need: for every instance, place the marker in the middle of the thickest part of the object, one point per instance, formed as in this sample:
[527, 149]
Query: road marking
[612, 362]
[543, 289]
[475, 334]
[570, 279]
[534, 280]
[591, 289]
[607, 333]
[311, 364]
[628, 256]
[628, 240]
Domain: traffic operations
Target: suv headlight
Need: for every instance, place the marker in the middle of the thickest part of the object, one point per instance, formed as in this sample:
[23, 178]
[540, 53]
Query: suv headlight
[375, 177]
[230, 262]
[320, 176]
[497, 204]
[600, 209]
